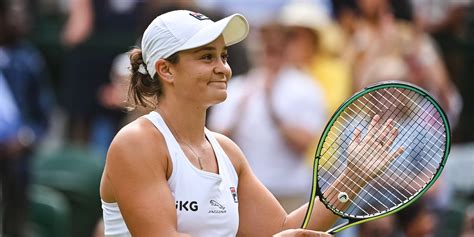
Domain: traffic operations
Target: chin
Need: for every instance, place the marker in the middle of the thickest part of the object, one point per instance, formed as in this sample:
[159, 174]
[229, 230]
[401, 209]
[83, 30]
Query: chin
[219, 98]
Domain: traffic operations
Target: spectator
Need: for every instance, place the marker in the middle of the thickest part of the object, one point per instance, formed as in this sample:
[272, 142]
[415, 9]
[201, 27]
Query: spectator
[95, 32]
[416, 220]
[386, 33]
[26, 99]
[315, 45]
[383, 227]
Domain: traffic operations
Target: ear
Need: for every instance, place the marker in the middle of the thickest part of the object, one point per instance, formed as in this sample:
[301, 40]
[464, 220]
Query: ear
[163, 70]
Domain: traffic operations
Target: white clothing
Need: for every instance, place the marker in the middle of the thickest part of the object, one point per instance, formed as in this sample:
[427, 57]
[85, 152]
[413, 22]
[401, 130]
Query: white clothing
[297, 100]
[206, 203]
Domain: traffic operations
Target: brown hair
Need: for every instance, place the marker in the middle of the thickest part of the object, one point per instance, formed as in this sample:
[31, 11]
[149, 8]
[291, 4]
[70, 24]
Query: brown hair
[144, 91]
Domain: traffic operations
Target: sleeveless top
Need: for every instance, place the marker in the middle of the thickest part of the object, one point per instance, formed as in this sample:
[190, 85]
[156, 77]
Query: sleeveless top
[206, 203]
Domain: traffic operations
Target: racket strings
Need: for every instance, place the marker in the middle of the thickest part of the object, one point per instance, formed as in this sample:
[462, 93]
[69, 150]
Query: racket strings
[348, 136]
[404, 129]
[344, 141]
[436, 120]
[341, 163]
[394, 112]
[395, 116]
[369, 193]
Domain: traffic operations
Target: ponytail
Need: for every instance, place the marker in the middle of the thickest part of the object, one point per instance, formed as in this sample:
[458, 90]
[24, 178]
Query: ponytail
[144, 90]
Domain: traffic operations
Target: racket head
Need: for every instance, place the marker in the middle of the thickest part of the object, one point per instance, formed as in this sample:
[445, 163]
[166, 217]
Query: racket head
[423, 128]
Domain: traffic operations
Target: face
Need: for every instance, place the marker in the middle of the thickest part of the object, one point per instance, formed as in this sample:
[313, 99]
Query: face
[371, 8]
[301, 45]
[201, 75]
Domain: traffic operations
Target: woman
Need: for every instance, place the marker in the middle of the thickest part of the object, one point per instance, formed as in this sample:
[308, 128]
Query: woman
[171, 176]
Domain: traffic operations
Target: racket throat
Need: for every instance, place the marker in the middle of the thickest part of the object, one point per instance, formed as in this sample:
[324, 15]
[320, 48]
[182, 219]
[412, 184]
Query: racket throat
[339, 227]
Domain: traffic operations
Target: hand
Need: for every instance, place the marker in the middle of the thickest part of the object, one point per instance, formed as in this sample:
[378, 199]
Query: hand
[370, 157]
[301, 233]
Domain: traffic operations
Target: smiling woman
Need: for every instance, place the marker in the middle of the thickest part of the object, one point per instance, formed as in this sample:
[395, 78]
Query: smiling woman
[166, 174]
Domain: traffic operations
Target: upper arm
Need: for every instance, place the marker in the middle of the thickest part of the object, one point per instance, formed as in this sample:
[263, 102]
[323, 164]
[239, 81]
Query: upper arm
[135, 177]
[260, 214]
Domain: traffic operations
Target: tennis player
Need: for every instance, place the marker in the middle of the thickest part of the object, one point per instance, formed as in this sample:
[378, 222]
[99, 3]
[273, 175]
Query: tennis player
[165, 173]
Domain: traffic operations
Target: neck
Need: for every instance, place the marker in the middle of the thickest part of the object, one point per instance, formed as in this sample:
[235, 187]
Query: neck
[186, 121]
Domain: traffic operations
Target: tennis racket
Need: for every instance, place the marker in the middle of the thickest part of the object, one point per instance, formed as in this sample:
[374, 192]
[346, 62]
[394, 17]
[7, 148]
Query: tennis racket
[381, 150]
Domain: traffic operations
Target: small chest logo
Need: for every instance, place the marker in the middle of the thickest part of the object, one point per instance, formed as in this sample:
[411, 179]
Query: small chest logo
[199, 16]
[187, 206]
[216, 207]
[233, 191]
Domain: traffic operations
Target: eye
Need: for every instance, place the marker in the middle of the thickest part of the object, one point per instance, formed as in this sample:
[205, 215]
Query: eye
[207, 57]
[224, 57]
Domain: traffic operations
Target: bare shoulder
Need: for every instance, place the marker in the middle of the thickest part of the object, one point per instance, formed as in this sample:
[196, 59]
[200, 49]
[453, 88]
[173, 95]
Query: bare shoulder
[137, 153]
[232, 150]
[140, 137]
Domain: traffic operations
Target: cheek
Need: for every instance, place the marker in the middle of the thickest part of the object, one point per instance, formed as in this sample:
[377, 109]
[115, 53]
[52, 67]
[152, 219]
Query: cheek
[228, 71]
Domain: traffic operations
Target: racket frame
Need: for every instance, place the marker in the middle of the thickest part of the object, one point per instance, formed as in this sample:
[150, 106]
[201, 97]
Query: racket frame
[316, 191]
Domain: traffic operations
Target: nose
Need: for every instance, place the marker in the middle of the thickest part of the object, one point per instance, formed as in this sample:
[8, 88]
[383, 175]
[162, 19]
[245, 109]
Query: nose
[223, 68]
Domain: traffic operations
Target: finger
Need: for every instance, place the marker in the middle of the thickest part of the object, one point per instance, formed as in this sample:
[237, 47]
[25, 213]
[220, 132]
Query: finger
[387, 129]
[391, 137]
[397, 153]
[356, 137]
[371, 130]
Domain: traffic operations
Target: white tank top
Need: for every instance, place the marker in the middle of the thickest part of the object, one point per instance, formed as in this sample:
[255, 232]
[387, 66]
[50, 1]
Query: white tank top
[206, 203]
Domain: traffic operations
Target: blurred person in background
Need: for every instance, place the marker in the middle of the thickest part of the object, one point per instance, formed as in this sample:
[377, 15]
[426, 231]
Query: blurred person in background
[114, 94]
[383, 227]
[94, 33]
[315, 45]
[385, 30]
[26, 102]
[346, 13]
[259, 13]
[416, 220]
[274, 113]
[468, 225]
[441, 16]
[387, 46]
[451, 24]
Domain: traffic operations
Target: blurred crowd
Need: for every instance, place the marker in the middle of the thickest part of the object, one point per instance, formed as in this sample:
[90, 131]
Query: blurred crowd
[64, 73]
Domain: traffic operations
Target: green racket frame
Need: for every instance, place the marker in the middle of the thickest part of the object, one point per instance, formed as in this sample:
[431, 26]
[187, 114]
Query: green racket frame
[315, 191]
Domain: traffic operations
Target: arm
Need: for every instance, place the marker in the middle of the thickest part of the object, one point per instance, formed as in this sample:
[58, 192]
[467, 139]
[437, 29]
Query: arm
[135, 177]
[259, 212]
[262, 215]
[298, 138]
[80, 23]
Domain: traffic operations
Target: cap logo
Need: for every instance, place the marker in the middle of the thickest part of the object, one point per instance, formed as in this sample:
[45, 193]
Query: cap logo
[199, 16]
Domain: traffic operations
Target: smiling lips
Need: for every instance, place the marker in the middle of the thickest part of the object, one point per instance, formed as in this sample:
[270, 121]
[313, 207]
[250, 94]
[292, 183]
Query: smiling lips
[220, 83]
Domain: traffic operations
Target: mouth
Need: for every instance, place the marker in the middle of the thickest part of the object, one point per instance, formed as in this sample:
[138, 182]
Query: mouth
[221, 84]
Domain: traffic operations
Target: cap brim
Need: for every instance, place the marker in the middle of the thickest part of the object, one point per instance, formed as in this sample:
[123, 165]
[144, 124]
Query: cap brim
[234, 28]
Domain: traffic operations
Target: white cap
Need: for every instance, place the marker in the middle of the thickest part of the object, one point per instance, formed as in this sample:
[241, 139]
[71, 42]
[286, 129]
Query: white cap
[181, 29]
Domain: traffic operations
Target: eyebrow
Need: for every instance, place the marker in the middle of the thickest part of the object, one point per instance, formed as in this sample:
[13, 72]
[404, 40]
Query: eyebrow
[208, 48]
